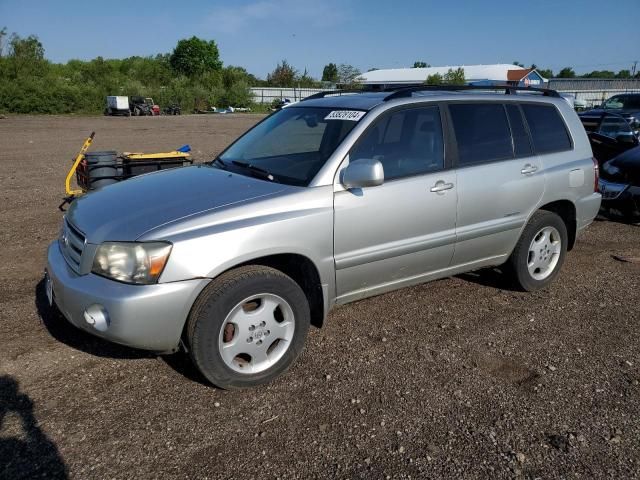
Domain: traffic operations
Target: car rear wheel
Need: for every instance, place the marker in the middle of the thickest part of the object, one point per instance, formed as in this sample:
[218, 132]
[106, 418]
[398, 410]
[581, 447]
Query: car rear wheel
[540, 251]
[247, 327]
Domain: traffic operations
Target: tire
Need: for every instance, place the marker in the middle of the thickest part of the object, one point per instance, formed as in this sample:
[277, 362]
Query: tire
[229, 330]
[539, 253]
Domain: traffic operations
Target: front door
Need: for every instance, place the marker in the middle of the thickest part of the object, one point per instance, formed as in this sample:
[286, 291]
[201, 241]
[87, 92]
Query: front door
[397, 233]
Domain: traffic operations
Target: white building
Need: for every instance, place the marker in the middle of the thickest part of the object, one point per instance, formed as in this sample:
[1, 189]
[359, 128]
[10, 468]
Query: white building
[474, 75]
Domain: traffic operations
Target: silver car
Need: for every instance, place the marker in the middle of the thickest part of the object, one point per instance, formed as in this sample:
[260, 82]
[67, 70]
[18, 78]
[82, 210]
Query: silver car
[331, 200]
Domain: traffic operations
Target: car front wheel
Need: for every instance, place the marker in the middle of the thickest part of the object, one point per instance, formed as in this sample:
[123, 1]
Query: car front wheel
[540, 251]
[247, 327]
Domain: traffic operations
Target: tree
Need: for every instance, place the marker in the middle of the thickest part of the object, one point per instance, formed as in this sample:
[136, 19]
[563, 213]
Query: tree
[348, 74]
[548, 73]
[623, 74]
[26, 55]
[305, 80]
[566, 72]
[420, 65]
[330, 73]
[518, 64]
[195, 56]
[284, 75]
[600, 74]
[455, 77]
[435, 79]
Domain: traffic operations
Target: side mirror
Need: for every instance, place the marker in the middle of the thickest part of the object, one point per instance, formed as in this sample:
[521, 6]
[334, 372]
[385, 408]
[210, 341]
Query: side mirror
[364, 172]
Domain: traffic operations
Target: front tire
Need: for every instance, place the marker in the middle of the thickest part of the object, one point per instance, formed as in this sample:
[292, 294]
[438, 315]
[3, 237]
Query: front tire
[247, 327]
[539, 254]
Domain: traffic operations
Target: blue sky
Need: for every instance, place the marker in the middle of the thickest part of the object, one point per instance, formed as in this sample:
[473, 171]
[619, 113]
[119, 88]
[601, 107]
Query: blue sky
[256, 34]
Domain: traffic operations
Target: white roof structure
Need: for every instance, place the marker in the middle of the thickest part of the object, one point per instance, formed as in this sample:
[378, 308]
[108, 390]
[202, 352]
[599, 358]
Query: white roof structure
[472, 73]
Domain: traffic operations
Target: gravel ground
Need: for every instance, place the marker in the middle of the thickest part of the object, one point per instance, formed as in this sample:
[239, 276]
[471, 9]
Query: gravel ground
[459, 378]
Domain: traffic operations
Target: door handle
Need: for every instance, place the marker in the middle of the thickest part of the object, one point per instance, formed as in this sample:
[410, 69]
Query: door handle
[528, 168]
[441, 186]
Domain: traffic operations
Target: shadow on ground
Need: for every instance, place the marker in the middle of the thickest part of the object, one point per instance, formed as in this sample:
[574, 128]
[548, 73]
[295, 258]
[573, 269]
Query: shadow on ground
[490, 277]
[63, 331]
[25, 450]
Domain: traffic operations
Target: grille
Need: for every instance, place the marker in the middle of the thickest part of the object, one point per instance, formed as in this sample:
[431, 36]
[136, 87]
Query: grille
[72, 245]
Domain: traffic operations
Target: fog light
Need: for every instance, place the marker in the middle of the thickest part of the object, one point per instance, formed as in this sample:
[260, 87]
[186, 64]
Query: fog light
[97, 316]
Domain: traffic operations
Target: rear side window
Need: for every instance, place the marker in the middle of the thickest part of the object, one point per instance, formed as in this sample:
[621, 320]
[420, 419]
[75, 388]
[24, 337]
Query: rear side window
[521, 143]
[482, 132]
[548, 131]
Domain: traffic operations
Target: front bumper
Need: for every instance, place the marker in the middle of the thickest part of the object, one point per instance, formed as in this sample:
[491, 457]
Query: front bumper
[150, 317]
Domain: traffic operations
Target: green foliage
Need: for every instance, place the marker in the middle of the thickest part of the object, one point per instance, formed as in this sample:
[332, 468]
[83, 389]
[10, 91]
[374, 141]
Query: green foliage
[566, 72]
[546, 73]
[31, 84]
[330, 73]
[435, 79]
[420, 65]
[454, 77]
[284, 75]
[195, 56]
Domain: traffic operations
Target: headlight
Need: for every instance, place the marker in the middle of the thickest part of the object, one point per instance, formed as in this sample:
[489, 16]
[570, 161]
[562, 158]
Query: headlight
[131, 262]
[610, 169]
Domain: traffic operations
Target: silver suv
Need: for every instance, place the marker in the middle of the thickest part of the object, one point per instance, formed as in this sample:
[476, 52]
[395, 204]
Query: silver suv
[336, 198]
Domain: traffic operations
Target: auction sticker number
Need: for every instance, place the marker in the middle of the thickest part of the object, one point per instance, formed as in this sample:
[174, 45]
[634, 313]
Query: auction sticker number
[352, 115]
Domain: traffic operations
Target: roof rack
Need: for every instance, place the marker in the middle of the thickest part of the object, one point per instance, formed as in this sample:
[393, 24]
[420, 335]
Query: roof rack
[508, 90]
[338, 93]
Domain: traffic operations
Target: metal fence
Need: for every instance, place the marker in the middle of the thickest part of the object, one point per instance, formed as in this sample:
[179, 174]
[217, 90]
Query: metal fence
[269, 94]
[594, 91]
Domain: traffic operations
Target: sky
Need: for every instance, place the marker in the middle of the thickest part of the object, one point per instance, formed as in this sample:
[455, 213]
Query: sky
[257, 34]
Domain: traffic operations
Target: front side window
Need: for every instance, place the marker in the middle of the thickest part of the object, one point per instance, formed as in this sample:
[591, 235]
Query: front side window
[291, 145]
[407, 142]
[482, 132]
[548, 131]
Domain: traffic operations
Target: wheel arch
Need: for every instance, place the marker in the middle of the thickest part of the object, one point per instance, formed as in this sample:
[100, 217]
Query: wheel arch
[566, 210]
[303, 271]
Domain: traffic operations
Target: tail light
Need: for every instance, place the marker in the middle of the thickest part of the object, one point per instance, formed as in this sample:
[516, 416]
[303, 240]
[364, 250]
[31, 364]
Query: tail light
[596, 174]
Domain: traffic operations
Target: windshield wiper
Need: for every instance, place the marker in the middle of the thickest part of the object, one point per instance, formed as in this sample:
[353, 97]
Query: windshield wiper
[261, 172]
[219, 161]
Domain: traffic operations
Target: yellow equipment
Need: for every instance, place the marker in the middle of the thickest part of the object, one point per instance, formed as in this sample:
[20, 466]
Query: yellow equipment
[125, 166]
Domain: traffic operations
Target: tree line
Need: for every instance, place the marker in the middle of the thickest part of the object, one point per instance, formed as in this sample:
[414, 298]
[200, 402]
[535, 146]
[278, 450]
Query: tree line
[192, 76]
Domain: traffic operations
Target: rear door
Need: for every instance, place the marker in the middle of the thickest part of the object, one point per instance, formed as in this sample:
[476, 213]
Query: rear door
[396, 233]
[500, 180]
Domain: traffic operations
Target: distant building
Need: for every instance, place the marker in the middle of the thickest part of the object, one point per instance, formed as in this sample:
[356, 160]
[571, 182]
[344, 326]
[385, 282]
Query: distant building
[474, 75]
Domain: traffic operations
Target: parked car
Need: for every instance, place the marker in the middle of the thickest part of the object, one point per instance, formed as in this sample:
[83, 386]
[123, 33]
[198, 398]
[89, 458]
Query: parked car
[610, 134]
[328, 201]
[626, 105]
[620, 185]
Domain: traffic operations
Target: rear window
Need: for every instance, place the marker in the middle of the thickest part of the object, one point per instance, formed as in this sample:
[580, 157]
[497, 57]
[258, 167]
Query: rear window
[482, 132]
[548, 131]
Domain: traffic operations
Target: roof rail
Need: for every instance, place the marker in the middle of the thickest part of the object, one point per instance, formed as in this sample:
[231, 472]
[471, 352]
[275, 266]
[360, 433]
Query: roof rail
[326, 93]
[508, 90]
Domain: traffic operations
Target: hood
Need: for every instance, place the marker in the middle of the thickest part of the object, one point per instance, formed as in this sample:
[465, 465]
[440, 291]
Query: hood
[126, 210]
[627, 167]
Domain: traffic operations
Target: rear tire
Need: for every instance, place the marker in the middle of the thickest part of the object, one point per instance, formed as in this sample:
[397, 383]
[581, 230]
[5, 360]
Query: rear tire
[539, 253]
[247, 327]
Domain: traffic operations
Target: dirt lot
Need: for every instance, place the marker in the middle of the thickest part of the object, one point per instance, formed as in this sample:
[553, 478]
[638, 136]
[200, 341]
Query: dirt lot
[457, 378]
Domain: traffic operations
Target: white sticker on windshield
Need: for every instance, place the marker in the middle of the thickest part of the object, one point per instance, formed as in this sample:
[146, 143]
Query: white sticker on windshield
[353, 115]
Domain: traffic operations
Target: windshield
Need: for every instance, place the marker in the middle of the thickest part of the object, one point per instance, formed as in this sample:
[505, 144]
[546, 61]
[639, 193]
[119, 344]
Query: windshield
[291, 145]
[624, 102]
